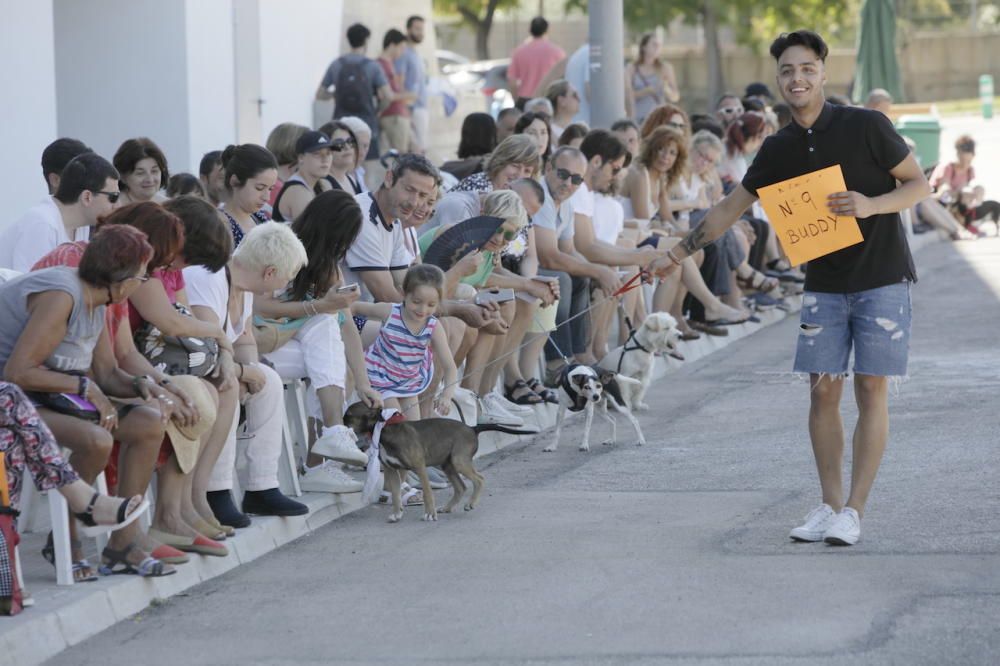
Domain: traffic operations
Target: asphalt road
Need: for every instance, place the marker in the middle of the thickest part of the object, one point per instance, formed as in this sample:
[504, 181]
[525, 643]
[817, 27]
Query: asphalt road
[673, 553]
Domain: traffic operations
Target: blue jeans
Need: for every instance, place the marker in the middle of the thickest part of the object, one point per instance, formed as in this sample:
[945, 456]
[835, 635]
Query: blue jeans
[574, 297]
[875, 323]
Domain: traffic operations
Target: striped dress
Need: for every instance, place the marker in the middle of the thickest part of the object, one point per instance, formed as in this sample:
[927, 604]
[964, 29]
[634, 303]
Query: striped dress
[399, 363]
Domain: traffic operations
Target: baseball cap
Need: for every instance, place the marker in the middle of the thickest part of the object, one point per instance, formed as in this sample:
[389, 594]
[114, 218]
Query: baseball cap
[312, 141]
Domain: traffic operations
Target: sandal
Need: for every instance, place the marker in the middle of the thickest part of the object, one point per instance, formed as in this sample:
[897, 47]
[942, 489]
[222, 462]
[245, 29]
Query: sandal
[542, 391]
[410, 496]
[91, 527]
[116, 563]
[527, 396]
[758, 281]
[83, 570]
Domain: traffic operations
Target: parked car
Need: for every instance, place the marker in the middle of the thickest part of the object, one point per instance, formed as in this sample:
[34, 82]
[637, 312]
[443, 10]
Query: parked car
[489, 77]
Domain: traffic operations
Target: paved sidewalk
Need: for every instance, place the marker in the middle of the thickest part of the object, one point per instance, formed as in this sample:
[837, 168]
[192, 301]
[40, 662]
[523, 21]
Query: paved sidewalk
[673, 553]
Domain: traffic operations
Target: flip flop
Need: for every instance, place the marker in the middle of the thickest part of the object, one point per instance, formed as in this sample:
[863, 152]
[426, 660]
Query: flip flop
[547, 394]
[528, 396]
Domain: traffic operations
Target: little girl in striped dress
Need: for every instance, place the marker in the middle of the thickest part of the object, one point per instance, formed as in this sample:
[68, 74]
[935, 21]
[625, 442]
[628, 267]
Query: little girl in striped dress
[400, 362]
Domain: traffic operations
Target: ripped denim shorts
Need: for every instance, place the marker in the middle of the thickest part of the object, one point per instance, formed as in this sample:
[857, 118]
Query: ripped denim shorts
[875, 323]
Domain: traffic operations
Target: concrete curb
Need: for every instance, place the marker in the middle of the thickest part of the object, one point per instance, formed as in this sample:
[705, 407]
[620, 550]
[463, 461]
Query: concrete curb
[65, 616]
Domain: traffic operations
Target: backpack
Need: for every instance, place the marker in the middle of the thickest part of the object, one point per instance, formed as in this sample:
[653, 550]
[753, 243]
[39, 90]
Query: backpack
[353, 90]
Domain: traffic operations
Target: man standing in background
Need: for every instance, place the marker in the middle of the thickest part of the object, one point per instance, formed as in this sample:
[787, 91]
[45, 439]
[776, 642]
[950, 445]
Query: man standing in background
[531, 61]
[411, 68]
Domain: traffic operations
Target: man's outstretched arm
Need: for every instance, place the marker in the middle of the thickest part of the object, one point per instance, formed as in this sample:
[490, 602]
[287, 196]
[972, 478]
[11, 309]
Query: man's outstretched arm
[718, 218]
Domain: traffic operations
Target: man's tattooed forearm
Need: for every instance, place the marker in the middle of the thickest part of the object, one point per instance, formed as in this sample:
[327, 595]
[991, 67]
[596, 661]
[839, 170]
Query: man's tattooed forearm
[697, 239]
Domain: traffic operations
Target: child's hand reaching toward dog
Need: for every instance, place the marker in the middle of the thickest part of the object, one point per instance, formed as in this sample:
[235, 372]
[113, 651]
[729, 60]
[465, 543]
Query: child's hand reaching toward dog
[442, 403]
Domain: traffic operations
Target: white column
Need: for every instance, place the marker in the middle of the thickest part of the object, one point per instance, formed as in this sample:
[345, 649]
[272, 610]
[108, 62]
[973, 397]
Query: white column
[28, 77]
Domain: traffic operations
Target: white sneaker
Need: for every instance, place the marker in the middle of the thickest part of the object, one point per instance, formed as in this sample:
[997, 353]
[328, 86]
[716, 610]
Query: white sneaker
[511, 407]
[816, 525]
[340, 443]
[845, 530]
[327, 477]
[491, 412]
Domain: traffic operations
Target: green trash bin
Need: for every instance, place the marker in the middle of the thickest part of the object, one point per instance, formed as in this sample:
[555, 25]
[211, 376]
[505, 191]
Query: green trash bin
[925, 130]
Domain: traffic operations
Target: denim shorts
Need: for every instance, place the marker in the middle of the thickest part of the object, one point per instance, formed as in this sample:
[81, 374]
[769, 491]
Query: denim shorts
[875, 322]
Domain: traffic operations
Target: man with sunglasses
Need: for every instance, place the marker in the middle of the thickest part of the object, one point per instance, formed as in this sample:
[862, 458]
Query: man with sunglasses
[555, 228]
[606, 156]
[88, 190]
[728, 109]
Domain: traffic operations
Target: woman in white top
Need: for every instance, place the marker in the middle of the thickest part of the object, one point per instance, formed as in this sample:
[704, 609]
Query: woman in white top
[743, 137]
[565, 101]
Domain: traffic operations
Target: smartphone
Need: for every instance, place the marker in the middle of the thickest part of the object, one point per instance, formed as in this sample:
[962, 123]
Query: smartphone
[495, 296]
[347, 287]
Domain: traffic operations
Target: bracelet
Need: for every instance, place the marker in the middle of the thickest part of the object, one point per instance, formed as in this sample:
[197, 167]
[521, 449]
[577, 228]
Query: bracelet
[673, 257]
[307, 304]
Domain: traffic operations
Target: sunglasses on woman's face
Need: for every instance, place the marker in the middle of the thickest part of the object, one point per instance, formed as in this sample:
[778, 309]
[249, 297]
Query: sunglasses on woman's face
[565, 174]
[338, 145]
[508, 234]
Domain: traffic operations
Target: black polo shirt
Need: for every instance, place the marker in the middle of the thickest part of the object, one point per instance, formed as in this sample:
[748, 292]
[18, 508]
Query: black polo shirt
[866, 146]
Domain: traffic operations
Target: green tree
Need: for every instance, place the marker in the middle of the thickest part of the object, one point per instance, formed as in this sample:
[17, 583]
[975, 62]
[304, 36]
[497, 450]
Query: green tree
[753, 21]
[477, 14]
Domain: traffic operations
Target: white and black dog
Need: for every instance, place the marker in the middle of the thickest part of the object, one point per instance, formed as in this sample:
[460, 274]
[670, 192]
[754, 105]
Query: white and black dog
[657, 334]
[584, 387]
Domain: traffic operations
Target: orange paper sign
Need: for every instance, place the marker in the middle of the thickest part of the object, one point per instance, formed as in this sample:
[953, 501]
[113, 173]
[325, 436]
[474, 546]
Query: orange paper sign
[798, 212]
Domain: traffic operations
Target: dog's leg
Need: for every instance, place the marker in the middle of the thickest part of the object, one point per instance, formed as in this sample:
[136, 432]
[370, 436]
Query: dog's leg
[457, 485]
[585, 444]
[425, 486]
[392, 480]
[468, 470]
[639, 394]
[634, 421]
[610, 419]
[560, 415]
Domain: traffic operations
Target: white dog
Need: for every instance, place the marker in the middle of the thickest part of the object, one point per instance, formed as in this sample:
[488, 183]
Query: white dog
[657, 334]
[585, 387]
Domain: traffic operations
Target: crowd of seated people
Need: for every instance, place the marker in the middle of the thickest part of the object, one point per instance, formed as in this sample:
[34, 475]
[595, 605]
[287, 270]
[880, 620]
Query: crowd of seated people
[281, 263]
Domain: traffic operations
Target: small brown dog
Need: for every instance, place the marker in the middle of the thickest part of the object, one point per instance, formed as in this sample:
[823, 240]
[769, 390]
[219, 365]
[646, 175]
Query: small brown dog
[415, 445]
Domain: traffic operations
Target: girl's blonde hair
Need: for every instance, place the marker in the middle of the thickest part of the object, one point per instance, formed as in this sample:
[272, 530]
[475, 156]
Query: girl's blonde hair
[424, 275]
[506, 204]
[272, 244]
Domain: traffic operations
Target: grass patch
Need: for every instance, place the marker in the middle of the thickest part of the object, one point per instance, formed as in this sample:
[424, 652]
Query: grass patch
[954, 107]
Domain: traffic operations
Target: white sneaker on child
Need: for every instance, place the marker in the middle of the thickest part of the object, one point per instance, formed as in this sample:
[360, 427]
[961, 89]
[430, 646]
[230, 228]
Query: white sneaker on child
[340, 443]
[327, 477]
[845, 530]
[816, 525]
[491, 412]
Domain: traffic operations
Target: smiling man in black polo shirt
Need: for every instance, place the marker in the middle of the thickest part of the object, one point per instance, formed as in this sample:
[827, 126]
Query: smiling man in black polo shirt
[857, 297]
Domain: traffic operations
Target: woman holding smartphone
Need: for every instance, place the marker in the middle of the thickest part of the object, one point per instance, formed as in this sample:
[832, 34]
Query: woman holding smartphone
[327, 340]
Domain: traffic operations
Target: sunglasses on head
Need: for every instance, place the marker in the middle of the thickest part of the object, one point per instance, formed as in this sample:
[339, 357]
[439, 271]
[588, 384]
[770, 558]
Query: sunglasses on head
[565, 174]
[337, 145]
[112, 196]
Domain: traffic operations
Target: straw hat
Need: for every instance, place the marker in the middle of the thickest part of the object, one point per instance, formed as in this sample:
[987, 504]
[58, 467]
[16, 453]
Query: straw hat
[186, 441]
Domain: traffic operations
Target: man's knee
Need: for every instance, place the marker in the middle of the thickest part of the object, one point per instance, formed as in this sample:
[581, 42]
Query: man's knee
[826, 391]
[870, 390]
